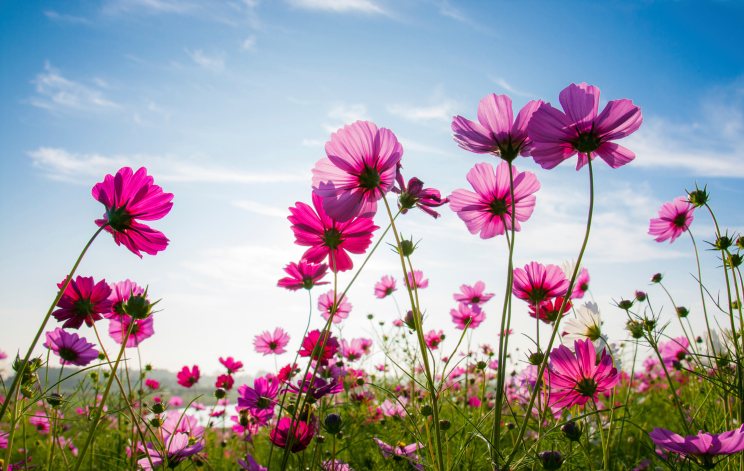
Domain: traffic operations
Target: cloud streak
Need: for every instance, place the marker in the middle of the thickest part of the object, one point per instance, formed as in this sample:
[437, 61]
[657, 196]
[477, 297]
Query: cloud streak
[339, 6]
[57, 93]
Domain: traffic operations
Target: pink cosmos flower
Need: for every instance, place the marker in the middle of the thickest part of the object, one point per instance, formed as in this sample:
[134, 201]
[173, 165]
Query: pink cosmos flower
[4, 439]
[353, 350]
[536, 282]
[232, 365]
[301, 433]
[303, 275]
[674, 219]
[434, 338]
[360, 168]
[268, 343]
[488, 211]
[466, 316]
[120, 293]
[188, 377]
[398, 323]
[3, 355]
[83, 301]
[548, 311]
[71, 349]
[558, 136]
[119, 326]
[328, 238]
[260, 396]
[394, 408]
[178, 449]
[417, 279]
[414, 195]
[674, 350]
[401, 450]
[473, 294]
[326, 306]
[40, 422]
[474, 401]
[225, 382]
[366, 345]
[250, 464]
[581, 286]
[152, 384]
[496, 132]
[335, 465]
[175, 401]
[575, 379]
[314, 340]
[129, 197]
[385, 287]
[702, 447]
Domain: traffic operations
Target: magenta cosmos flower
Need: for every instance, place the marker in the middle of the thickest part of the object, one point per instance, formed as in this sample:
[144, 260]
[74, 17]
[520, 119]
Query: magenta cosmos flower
[558, 136]
[489, 210]
[385, 287]
[232, 365]
[188, 377]
[328, 238]
[303, 275]
[120, 293]
[326, 305]
[312, 342]
[417, 279]
[674, 219]
[467, 316]
[178, 449]
[581, 286]
[225, 382]
[536, 282]
[83, 301]
[414, 195]
[260, 396]
[301, 434]
[473, 294]
[129, 196]
[401, 450]
[353, 350]
[360, 168]
[433, 339]
[702, 447]
[575, 379]
[496, 132]
[268, 343]
[548, 311]
[119, 326]
[71, 349]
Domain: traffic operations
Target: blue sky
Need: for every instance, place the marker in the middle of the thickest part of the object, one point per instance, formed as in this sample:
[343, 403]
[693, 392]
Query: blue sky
[229, 105]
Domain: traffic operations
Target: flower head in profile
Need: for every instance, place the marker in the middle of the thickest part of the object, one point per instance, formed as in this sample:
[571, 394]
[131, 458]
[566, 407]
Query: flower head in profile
[577, 378]
[120, 293]
[396, 408]
[328, 238]
[674, 219]
[703, 447]
[414, 195]
[467, 316]
[433, 339]
[401, 450]
[71, 349]
[130, 197]
[311, 345]
[232, 365]
[335, 465]
[359, 169]
[300, 432]
[417, 279]
[327, 303]
[225, 382]
[385, 287]
[558, 136]
[179, 448]
[83, 301]
[303, 275]
[496, 132]
[473, 294]
[119, 327]
[537, 282]
[548, 310]
[268, 343]
[489, 210]
[188, 377]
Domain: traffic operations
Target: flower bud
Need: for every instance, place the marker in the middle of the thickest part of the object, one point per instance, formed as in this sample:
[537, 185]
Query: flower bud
[370, 316]
[723, 242]
[536, 358]
[138, 307]
[510, 425]
[426, 411]
[156, 422]
[319, 438]
[657, 278]
[445, 424]
[101, 356]
[148, 367]
[220, 393]
[572, 431]
[551, 460]
[740, 242]
[158, 408]
[333, 424]
[649, 324]
[481, 365]
[360, 382]
[640, 296]
[27, 391]
[55, 400]
[682, 311]
[625, 304]
[635, 328]
[698, 197]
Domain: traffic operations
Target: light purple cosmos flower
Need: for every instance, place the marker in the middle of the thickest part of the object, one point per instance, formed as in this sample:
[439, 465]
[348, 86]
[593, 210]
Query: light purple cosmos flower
[558, 136]
[417, 279]
[537, 282]
[71, 349]
[414, 195]
[394, 408]
[385, 287]
[702, 447]
[119, 326]
[326, 303]
[467, 316]
[178, 449]
[268, 343]
[260, 396]
[250, 464]
[489, 210]
[473, 294]
[401, 450]
[353, 350]
[360, 168]
[674, 219]
[496, 132]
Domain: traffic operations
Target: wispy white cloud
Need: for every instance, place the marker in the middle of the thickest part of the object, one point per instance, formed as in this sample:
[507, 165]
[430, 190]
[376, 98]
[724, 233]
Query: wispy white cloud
[55, 92]
[55, 16]
[442, 111]
[259, 208]
[153, 6]
[249, 44]
[58, 164]
[339, 6]
[448, 10]
[313, 142]
[501, 82]
[414, 146]
[343, 113]
[214, 63]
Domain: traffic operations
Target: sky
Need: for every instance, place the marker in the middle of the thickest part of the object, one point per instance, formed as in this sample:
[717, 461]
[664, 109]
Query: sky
[229, 104]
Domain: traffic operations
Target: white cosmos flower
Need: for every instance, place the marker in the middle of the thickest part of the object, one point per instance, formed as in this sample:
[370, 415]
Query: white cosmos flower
[719, 348]
[587, 325]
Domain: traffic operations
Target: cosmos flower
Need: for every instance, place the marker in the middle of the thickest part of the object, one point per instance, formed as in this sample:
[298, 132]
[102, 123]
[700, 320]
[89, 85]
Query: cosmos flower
[359, 169]
[586, 325]
[301, 433]
[268, 343]
[119, 326]
[184, 423]
[152, 384]
[232, 365]
[83, 301]
[40, 422]
[434, 338]
[71, 349]
[496, 132]
[303, 275]
[395, 408]
[353, 350]
[260, 396]
[414, 195]
[473, 294]
[178, 449]
[366, 345]
[326, 306]
[225, 382]
[329, 238]
[335, 465]
[703, 447]
[488, 211]
[401, 450]
[250, 464]
[120, 293]
[129, 197]
[558, 136]
[312, 342]
[548, 311]
[575, 379]
[467, 316]
[188, 377]
[674, 219]
[674, 350]
[417, 279]
[385, 287]
[536, 282]
[318, 388]
[4, 439]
